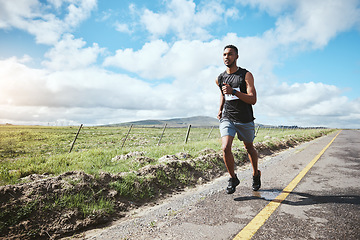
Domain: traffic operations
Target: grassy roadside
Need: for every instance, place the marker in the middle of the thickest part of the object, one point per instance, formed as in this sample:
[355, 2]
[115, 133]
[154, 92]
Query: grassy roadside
[26, 150]
[57, 193]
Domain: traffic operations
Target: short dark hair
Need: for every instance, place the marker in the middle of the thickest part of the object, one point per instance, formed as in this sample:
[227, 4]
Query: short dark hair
[233, 47]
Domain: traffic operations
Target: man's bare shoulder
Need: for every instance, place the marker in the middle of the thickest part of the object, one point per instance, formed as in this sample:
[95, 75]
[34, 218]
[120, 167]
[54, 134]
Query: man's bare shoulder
[249, 75]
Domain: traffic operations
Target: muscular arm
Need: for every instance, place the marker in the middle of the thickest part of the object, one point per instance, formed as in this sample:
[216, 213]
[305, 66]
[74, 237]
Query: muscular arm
[222, 101]
[250, 96]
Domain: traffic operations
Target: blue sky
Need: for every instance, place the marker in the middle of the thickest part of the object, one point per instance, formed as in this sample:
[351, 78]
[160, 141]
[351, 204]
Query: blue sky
[66, 62]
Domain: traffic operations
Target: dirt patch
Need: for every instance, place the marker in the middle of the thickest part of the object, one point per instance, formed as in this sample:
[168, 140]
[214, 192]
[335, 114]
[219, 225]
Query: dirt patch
[50, 207]
[36, 209]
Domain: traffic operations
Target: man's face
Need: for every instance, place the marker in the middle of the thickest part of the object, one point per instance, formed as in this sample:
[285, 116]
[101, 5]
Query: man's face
[229, 57]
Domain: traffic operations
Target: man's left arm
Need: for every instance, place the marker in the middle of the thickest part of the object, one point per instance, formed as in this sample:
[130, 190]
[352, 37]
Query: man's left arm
[250, 96]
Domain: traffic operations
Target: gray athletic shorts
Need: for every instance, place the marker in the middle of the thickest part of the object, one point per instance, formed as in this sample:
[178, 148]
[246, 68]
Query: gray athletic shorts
[245, 131]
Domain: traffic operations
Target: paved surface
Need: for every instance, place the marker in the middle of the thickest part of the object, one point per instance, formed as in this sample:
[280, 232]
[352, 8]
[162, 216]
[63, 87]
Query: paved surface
[324, 205]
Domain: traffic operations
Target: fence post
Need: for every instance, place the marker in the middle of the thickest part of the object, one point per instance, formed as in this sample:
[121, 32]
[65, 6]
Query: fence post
[73, 143]
[210, 131]
[257, 130]
[126, 136]
[187, 134]
[162, 134]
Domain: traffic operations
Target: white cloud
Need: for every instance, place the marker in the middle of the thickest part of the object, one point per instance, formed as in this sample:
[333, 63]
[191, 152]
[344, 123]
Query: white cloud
[298, 98]
[183, 19]
[56, 3]
[34, 17]
[142, 61]
[318, 23]
[158, 59]
[16, 80]
[29, 16]
[307, 103]
[307, 24]
[122, 27]
[67, 92]
[232, 13]
[12, 12]
[70, 53]
[78, 11]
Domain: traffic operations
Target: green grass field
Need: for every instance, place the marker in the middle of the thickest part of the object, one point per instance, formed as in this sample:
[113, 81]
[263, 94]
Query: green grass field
[78, 187]
[26, 150]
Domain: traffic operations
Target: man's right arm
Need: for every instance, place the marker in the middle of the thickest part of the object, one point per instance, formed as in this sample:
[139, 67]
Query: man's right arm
[222, 101]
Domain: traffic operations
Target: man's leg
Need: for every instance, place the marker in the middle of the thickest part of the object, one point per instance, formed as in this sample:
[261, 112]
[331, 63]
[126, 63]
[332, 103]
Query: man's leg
[253, 156]
[227, 154]
[230, 163]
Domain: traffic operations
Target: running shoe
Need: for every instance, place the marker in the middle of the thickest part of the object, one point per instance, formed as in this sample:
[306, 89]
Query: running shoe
[256, 181]
[233, 182]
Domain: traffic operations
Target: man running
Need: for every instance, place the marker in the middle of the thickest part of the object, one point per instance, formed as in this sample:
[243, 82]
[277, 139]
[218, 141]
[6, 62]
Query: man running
[238, 94]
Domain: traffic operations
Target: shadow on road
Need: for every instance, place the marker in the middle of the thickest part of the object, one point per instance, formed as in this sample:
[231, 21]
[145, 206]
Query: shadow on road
[301, 198]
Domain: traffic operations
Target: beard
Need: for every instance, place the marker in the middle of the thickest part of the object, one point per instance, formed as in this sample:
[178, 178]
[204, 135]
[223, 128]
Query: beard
[230, 64]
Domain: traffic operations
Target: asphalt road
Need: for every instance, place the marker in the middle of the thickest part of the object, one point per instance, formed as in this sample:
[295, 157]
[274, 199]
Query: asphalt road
[325, 203]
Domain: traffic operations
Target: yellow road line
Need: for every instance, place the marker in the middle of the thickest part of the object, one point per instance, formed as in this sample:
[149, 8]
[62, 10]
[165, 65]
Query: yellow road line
[249, 230]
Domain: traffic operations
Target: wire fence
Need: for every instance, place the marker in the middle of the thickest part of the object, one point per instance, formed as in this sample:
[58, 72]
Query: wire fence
[135, 135]
[41, 142]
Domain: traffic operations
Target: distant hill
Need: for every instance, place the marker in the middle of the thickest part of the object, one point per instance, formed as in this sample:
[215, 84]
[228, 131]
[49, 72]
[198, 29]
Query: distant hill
[199, 121]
